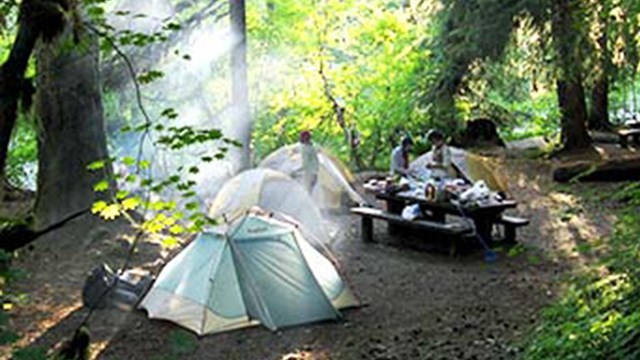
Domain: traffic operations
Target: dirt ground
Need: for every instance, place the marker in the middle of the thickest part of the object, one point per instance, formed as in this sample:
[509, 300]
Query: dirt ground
[417, 304]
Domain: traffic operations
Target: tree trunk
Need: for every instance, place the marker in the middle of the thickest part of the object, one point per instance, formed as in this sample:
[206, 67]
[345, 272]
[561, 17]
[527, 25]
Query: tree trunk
[599, 115]
[11, 84]
[240, 87]
[69, 105]
[573, 108]
[570, 90]
[608, 170]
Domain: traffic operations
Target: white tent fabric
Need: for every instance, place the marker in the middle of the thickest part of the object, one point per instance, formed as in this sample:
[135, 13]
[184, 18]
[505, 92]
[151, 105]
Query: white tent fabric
[334, 179]
[254, 270]
[473, 167]
[275, 192]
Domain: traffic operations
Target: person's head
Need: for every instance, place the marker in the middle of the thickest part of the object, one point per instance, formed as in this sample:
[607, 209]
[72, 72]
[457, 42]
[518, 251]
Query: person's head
[407, 143]
[305, 137]
[436, 137]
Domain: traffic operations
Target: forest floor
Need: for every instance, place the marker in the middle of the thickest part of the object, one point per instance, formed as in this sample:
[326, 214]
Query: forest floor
[418, 304]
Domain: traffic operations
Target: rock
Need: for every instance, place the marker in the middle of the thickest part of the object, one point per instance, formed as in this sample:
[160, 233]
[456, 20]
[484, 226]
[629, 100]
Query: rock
[480, 133]
[533, 143]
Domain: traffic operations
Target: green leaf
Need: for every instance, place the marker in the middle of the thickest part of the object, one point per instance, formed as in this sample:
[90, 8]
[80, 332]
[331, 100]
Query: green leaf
[98, 206]
[128, 160]
[96, 165]
[150, 76]
[131, 203]
[101, 186]
[121, 194]
[170, 242]
[176, 229]
[169, 113]
[110, 212]
[192, 205]
[189, 194]
[144, 164]
[172, 26]
[95, 11]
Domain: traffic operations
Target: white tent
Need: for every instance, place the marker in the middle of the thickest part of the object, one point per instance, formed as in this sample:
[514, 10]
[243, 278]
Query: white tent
[274, 192]
[335, 181]
[471, 166]
[253, 270]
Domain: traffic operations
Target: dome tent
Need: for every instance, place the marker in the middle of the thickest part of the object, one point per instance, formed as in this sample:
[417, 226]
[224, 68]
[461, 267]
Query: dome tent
[471, 166]
[254, 269]
[335, 181]
[274, 192]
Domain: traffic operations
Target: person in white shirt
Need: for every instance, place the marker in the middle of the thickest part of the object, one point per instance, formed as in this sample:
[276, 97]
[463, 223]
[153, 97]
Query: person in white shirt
[310, 162]
[400, 158]
[440, 163]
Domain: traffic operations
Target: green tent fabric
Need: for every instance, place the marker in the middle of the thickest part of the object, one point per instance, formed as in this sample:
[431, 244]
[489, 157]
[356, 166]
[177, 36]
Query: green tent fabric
[257, 269]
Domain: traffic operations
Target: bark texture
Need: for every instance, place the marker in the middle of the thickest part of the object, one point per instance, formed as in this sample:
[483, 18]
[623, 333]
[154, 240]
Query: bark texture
[570, 89]
[599, 114]
[69, 105]
[37, 19]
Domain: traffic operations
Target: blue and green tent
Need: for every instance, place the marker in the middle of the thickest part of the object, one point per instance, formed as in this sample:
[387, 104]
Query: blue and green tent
[254, 270]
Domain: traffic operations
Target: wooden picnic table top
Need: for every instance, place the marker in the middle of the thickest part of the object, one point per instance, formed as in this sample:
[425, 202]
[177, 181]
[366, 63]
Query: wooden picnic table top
[491, 206]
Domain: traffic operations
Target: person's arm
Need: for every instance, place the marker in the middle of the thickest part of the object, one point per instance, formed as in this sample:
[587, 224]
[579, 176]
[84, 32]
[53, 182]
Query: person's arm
[446, 157]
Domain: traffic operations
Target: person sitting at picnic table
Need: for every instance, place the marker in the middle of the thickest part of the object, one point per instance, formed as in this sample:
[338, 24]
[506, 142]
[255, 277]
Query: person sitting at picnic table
[310, 162]
[440, 164]
[400, 158]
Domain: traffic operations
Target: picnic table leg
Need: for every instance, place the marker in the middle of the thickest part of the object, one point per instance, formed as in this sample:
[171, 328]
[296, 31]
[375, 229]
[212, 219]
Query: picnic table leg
[439, 216]
[623, 141]
[484, 226]
[453, 247]
[509, 234]
[394, 207]
[367, 229]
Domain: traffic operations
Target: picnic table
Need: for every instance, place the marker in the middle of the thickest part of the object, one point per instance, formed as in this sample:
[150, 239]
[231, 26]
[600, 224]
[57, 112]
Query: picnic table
[624, 135]
[483, 215]
[456, 221]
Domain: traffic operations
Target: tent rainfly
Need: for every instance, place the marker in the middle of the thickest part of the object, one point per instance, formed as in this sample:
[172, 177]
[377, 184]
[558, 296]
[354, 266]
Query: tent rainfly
[335, 181]
[471, 166]
[253, 270]
[274, 192]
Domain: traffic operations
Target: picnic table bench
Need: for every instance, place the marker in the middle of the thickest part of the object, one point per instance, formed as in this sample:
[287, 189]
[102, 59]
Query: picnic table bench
[511, 224]
[625, 134]
[455, 230]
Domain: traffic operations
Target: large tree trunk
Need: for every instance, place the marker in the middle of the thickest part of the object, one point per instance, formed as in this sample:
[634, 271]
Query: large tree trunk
[570, 90]
[12, 80]
[599, 115]
[240, 87]
[69, 105]
[573, 123]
